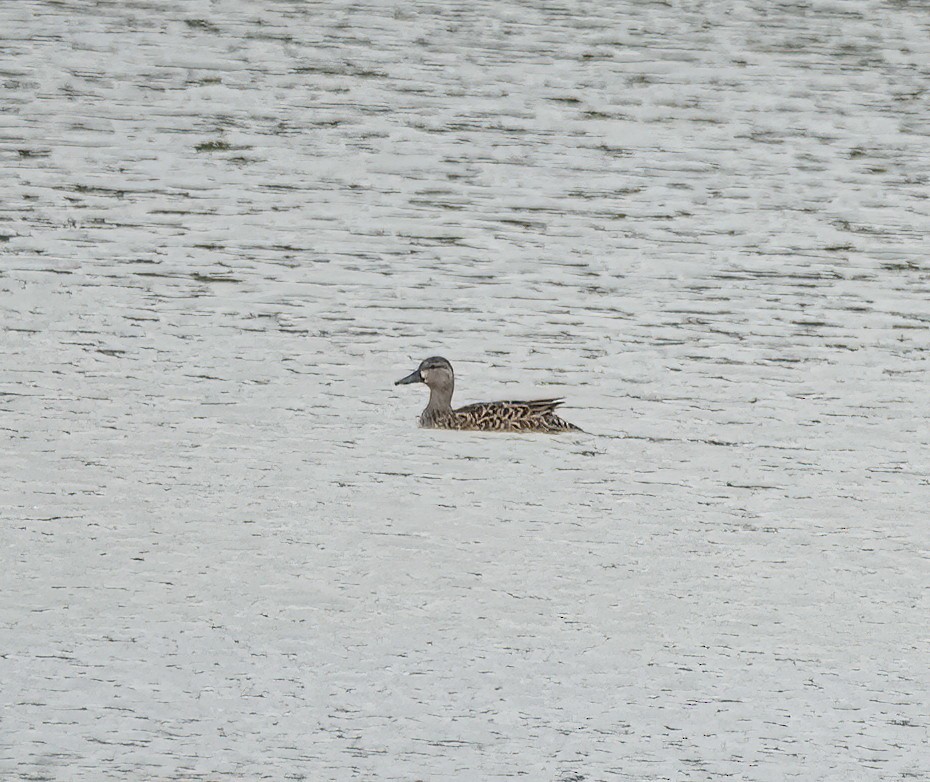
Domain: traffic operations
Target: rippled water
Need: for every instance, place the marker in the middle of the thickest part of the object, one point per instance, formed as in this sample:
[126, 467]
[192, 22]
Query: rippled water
[228, 553]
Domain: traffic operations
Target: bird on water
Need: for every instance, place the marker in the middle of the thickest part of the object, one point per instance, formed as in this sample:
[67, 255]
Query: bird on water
[537, 415]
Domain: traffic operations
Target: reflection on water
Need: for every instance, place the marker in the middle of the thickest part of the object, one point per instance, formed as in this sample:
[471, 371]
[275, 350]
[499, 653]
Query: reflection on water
[227, 226]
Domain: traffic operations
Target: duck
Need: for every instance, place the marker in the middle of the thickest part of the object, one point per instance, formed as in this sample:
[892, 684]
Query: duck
[537, 415]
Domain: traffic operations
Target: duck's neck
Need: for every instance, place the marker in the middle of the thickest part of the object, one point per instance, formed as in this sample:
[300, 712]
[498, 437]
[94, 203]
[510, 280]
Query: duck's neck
[440, 401]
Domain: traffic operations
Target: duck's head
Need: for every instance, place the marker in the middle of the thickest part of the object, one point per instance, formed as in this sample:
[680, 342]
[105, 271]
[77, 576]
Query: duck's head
[436, 372]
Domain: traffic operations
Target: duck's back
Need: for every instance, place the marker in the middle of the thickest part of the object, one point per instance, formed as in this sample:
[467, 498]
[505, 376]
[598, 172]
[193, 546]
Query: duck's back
[537, 415]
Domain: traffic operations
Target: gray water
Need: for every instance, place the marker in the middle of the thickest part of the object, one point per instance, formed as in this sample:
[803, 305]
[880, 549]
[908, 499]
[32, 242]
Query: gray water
[227, 550]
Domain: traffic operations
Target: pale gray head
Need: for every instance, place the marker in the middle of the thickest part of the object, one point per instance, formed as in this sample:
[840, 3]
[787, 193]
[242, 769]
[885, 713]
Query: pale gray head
[436, 372]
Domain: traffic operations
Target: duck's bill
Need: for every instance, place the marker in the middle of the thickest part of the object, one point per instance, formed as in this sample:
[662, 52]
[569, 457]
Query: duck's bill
[413, 377]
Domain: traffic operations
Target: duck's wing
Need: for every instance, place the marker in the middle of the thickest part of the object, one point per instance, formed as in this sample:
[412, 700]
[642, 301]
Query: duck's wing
[533, 415]
[540, 406]
[532, 407]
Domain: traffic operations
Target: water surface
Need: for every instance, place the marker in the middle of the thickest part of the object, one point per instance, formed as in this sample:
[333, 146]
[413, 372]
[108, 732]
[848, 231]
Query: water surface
[228, 552]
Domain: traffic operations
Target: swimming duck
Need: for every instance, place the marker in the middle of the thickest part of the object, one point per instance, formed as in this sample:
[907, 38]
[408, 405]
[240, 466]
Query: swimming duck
[534, 416]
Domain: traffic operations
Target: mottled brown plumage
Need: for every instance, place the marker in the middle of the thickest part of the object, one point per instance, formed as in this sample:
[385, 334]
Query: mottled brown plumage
[537, 415]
